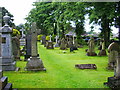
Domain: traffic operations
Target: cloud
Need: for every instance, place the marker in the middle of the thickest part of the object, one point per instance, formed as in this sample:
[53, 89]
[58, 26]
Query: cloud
[18, 8]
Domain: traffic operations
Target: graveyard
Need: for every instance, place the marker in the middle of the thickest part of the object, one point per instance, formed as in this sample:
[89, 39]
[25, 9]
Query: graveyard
[61, 71]
[61, 45]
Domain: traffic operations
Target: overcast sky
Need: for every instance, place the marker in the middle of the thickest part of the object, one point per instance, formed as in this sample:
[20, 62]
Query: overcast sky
[18, 8]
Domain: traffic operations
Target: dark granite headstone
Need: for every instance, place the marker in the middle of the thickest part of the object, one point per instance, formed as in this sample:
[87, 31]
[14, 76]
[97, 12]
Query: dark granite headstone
[43, 39]
[86, 66]
[34, 62]
[28, 46]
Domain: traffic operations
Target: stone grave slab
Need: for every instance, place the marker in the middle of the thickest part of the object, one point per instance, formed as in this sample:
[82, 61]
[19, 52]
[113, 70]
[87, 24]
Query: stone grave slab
[86, 66]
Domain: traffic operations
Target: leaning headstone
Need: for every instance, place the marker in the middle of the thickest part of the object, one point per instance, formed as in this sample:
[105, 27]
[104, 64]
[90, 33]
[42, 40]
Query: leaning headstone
[114, 82]
[49, 44]
[28, 45]
[7, 58]
[16, 47]
[112, 56]
[102, 51]
[91, 51]
[34, 62]
[63, 44]
[56, 45]
[4, 85]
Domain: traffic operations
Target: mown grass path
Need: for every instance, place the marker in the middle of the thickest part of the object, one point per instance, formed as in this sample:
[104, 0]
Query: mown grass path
[61, 71]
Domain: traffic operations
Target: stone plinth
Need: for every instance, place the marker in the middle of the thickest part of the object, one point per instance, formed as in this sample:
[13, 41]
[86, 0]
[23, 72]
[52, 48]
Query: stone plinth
[49, 45]
[35, 64]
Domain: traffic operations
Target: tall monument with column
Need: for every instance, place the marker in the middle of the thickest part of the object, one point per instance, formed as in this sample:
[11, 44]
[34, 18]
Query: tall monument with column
[6, 58]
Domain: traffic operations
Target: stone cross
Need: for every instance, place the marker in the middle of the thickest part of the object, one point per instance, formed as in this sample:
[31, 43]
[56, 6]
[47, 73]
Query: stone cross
[50, 38]
[56, 38]
[34, 41]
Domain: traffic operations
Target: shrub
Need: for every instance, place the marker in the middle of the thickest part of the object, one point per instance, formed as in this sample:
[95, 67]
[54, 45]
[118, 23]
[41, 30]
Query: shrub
[39, 37]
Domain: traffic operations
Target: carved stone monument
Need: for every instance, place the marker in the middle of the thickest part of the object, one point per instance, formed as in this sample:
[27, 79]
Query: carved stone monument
[63, 44]
[91, 51]
[114, 82]
[16, 47]
[49, 44]
[34, 62]
[102, 51]
[7, 58]
[112, 57]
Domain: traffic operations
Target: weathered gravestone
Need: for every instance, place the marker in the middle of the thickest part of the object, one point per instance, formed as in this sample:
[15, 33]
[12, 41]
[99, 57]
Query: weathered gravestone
[63, 44]
[4, 85]
[49, 44]
[28, 45]
[102, 51]
[34, 62]
[16, 47]
[70, 43]
[56, 45]
[114, 82]
[112, 57]
[86, 66]
[7, 58]
[91, 51]
[43, 39]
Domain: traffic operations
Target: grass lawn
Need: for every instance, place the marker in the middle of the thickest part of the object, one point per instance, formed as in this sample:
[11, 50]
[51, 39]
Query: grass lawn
[61, 71]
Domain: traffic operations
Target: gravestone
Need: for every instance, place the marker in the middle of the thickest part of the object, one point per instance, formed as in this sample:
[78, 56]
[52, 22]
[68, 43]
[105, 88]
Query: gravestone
[114, 82]
[102, 51]
[34, 62]
[16, 47]
[4, 85]
[112, 56]
[86, 66]
[43, 39]
[22, 39]
[63, 44]
[7, 58]
[49, 44]
[70, 43]
[28, 45]
[56, 45]
[91, 51]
